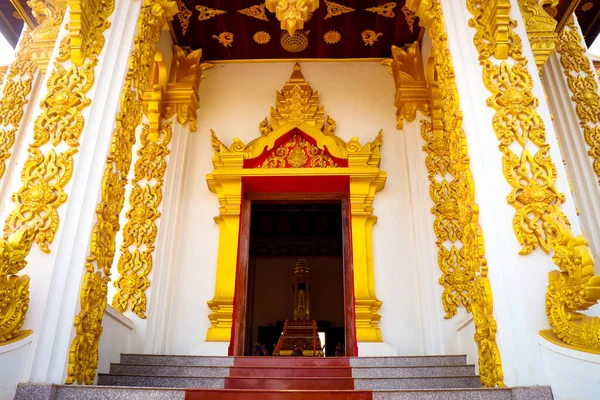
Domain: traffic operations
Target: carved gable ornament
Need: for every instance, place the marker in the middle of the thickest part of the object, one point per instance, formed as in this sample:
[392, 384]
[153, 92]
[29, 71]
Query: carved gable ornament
[299, 136]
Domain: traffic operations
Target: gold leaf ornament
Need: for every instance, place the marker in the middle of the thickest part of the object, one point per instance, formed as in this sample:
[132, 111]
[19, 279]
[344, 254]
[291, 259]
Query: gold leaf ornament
[208, 13]
[262, 37]
[336, 9]
[332, 37]
[256, 11]
[225, 38]
[183, 15]
[385, 10]
[370, 37]
[42, 193]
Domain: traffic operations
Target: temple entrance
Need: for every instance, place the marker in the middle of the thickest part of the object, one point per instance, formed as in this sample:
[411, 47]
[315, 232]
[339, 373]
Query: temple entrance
[294, 277]
[295, 274]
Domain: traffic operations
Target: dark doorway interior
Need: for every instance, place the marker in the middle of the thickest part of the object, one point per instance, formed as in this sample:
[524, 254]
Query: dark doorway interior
[280, 234]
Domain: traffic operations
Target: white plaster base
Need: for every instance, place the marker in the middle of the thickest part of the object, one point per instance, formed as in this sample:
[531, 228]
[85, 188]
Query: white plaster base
[115, 338]
[572, 374]
[374, 349]
[209, 349]
[12, 362]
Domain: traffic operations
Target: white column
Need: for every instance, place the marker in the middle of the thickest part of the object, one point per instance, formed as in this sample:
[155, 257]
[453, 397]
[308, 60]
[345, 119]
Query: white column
[165, 255]
[56, 277]
[584, 181]
[518, 282]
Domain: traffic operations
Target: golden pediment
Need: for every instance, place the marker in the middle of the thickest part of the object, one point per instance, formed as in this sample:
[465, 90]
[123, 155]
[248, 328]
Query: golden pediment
[299, 117]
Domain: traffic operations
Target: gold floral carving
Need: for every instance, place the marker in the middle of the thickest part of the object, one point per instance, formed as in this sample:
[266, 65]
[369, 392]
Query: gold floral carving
[332, 37]
[292, 13]
[208, 13]
[225, 38]
[262, 37]
[298, 153]
[461, 256]
[335, 9]
[3, 70]
[140, 230]
[370, 37]
[538, 220]
[412, 91]
[14, 289]
[540, 27]
[256, 11]
[385, 10]
[15, 95]
[581, 79]
[183, 15]
[410, 18]
[83, 355]
[42, 193]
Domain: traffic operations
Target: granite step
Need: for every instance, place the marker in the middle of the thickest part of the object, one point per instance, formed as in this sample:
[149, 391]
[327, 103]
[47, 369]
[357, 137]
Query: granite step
[169, 370]
[290, 372]
[408, 372]
[132, 380]
[282, 362]
[31, 391]
[198, 361]
[408, 361]
[451, 382]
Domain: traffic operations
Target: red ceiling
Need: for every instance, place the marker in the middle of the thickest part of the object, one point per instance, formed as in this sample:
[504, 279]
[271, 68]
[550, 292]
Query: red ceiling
[349, 25]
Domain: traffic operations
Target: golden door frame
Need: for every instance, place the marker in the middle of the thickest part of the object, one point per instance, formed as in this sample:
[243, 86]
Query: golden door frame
[298, 113]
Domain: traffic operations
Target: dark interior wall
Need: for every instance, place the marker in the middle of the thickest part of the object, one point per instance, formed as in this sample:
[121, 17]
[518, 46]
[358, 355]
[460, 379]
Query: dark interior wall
[273, 297]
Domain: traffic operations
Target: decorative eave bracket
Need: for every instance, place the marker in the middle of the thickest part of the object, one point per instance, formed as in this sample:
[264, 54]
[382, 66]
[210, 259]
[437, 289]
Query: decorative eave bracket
[412, 93]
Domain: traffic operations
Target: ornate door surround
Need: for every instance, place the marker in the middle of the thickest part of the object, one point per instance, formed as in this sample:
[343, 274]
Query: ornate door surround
[300, 142]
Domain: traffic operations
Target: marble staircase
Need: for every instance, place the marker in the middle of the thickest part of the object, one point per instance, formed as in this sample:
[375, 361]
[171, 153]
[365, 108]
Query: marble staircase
[272, 378]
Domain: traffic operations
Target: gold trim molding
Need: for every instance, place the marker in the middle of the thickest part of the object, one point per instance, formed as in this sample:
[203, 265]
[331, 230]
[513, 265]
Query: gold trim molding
[297, 107]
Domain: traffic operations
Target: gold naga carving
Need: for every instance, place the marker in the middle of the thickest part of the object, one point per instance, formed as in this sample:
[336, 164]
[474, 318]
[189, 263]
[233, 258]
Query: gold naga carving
[292, 13]
[49, 14]
[581, 79]
[299, 140]
[540, 27]
[83, 353]
[412, 92]
[461, 256]
[14, 289]
[538, 220]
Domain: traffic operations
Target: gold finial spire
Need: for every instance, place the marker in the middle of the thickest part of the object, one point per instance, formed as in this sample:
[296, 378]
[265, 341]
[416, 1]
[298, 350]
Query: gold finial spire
[297, 74]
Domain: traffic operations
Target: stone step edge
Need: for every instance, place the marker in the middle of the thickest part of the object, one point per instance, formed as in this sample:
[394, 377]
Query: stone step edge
[288, 357]
[283, 377]
[294, 366]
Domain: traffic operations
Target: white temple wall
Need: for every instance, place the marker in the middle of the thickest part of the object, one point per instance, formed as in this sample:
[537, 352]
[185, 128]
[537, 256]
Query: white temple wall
[234, 98]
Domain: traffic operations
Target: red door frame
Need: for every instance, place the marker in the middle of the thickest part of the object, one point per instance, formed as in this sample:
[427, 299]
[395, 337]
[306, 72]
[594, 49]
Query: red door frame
[282, 190]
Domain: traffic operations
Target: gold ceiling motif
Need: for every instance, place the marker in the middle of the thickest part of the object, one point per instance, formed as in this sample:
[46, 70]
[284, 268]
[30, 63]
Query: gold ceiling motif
[296, 43]
[292, 13]
[385, 10]
[335, 9]
[208, 13]
[257, 11]
[410, 17]
[587, 6]
[183, 16]
[369, 37]
[225, 38]
[262, 37]
[332, 37]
